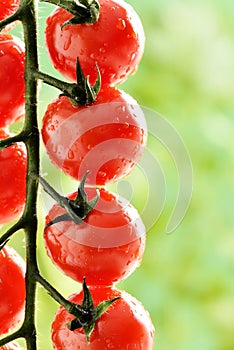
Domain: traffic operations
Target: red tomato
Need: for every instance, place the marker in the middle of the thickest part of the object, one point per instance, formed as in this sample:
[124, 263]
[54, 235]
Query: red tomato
[115, 42]
[12, 86]
[12, 289]
[11, 346]
[126, 325]
[105, 248]
[107, 138]
[8, 7]
[13, 164]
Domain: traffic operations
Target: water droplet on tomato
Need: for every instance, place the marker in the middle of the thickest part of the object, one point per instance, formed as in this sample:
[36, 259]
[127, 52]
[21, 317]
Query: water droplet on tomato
[102, 50]
[67, 43]
[102, 173]
[121, 24]
[71, 154]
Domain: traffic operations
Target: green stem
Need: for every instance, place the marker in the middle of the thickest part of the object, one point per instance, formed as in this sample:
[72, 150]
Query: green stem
[11, 140]
[32, 145]
[18, 226]
[72, 308]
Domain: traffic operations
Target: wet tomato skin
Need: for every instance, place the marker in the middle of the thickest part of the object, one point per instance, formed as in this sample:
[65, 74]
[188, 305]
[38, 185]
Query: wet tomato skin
[105, 248]
[107, 138]
[8, 7]
[11, 346]
[126, 325]
[12, 289]
[13, 165]
[12, 86]
[115, 42]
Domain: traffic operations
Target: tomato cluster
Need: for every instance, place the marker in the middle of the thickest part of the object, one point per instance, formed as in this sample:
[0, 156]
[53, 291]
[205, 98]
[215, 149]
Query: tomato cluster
[105, 138]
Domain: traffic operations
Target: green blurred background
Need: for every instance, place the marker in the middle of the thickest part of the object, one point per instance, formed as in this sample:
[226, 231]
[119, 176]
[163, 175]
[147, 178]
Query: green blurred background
[186, 279]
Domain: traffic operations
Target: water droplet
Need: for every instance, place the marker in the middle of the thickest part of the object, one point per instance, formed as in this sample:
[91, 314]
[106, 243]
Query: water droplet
[102, 173]
[133, 56]
[121, 24]
[71, 154]
[67, 43]
[102, 50]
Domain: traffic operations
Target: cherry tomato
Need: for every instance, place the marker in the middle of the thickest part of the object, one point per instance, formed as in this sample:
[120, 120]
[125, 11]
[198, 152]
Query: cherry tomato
[13, 164]
[115, 42]
[105, 247]
[12, 289]
[107, 138]
[8, 7]
[12, 86]
[126, 325]
[11, 346]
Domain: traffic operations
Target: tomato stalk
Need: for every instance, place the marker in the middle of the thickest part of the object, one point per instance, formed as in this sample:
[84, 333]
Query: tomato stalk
[84, 11]
[80, 93]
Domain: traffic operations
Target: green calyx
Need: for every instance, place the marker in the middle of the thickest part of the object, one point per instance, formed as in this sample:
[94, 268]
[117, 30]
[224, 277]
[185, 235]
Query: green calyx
[83, 11]
[76, 209]
[87, 314]
[82, 93]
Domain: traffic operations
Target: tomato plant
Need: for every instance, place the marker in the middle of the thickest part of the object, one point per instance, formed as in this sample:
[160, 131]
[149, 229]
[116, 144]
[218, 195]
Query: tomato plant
[125, 326]
[92, 127]
[8, 7]
[107, 138]
[12, 289]
[115, 42]
[12, 86]
[13, 164]
[105, 247]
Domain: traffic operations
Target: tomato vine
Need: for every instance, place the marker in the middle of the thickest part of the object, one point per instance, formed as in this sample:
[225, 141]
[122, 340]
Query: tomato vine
[81, 92]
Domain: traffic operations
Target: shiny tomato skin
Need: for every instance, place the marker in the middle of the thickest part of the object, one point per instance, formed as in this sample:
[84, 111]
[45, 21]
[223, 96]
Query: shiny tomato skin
[8, 7]
[107, 138]
[11, 346]
[12, 289]
[105, 248]
[126, 325]
[12, 85]
[115, 42]
[13, 165]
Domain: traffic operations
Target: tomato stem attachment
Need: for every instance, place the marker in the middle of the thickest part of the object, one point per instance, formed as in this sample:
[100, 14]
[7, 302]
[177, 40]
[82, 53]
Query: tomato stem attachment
[93, 312]
[76, 209]
[80, 93]
[84, 11]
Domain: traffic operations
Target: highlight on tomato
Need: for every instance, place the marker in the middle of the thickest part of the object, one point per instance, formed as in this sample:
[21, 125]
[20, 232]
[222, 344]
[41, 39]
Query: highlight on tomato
[115, 42]
[12, 289]
[125, 325]
[8, 7]
[105, 247]
[12, 85]
[13, 165]
[107, 137]
[11, 346]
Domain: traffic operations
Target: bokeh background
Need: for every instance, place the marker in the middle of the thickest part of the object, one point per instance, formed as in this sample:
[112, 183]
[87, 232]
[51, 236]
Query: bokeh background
[186, 279]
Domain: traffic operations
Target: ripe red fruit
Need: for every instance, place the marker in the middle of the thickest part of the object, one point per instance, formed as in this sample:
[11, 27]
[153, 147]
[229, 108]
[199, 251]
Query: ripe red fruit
[13, 165]
[107, 138]
[12, 86]
[105, 247]
[126, 325]
[8, 7]
[115, 42]
[12, 289]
